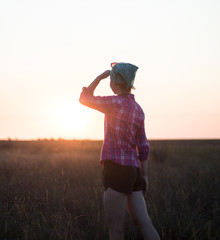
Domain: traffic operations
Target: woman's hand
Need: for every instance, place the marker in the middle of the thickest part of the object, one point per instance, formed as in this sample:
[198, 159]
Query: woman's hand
[145, 188]
[104, 75]
[95, 83]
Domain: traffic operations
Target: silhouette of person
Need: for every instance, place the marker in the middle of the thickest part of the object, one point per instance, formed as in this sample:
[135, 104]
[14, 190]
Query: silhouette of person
[124, 153]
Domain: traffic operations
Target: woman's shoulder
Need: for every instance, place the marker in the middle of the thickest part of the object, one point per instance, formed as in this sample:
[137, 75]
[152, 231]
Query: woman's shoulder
[111, 99]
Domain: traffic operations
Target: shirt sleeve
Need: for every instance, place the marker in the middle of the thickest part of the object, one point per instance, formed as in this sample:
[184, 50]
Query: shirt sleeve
[102, 104]
[142, 144]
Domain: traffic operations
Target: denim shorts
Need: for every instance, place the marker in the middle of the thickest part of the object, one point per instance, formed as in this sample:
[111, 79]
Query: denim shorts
[124, 179]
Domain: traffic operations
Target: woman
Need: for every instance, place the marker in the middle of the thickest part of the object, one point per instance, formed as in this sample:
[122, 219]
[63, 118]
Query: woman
[124, 153]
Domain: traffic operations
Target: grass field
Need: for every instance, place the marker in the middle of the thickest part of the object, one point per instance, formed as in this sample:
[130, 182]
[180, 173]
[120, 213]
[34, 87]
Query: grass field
[52, 190]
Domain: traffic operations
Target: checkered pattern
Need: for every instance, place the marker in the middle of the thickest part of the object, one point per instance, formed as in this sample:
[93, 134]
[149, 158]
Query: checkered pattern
[125, 141]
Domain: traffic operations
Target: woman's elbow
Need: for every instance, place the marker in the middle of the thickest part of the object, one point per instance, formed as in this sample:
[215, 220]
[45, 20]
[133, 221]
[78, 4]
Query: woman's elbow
[81, 100]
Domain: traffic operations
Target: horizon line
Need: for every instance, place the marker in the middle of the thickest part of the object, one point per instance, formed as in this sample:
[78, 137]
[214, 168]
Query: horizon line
[90, 139]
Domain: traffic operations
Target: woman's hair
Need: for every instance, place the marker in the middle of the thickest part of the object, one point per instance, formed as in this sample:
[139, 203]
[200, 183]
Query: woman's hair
[123, 85]
[125, 88]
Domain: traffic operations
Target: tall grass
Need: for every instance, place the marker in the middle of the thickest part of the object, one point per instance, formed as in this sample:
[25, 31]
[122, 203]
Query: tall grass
[52, 190]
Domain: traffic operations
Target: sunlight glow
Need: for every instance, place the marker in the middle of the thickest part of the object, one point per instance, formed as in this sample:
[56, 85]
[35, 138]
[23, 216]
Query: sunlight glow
[71, 118]
[49, 50]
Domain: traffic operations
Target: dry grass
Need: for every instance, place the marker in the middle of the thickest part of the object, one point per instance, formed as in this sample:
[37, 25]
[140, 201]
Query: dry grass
[52, 190]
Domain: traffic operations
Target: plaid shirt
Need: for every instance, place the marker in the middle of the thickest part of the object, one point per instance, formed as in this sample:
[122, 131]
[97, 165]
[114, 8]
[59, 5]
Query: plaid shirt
[124, 134]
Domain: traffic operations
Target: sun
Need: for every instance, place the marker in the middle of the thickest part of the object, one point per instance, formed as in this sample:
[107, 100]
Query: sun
[71, 117]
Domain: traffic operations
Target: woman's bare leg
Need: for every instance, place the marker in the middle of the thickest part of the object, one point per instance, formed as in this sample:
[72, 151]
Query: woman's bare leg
[115, 210]
[137, 209]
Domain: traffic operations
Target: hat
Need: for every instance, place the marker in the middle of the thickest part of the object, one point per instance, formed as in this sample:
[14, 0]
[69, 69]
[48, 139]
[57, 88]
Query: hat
[123, 73]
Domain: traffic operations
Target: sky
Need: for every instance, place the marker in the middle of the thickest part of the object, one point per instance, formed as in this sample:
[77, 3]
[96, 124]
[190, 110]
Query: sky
[49, 50]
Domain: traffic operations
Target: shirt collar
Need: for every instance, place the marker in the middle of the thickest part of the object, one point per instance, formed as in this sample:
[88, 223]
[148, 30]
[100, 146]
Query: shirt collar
[129, 95]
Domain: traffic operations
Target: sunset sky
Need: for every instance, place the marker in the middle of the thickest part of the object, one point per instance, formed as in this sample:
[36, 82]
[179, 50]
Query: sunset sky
[50, 49]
